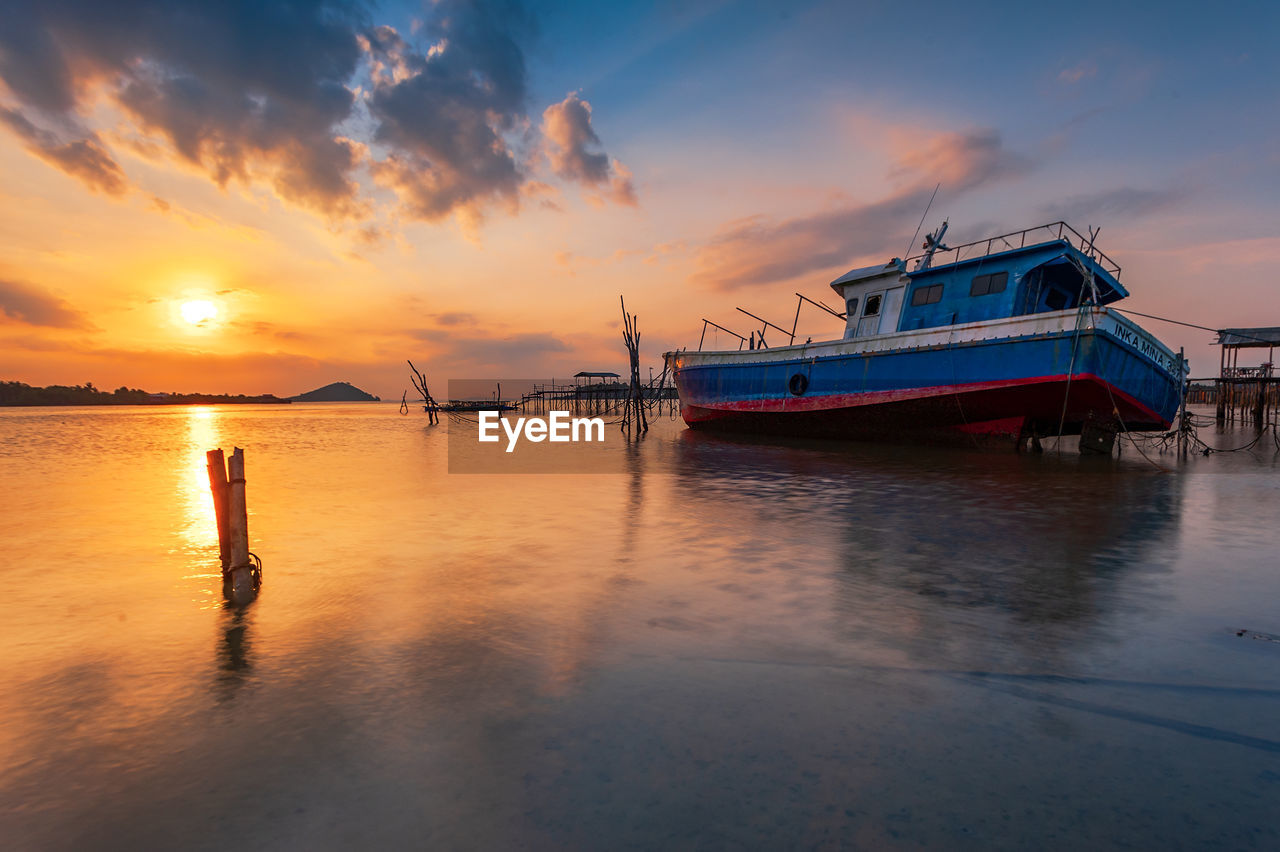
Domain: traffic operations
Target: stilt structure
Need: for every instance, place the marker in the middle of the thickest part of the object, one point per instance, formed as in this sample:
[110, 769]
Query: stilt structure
[1247, 393]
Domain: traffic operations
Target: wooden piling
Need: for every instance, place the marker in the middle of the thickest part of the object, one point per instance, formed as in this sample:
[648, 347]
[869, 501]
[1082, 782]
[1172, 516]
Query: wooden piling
[218, 486]
[1183, 426]
[241, 570]
[242, 578]
[1221, 413]
[237, 510]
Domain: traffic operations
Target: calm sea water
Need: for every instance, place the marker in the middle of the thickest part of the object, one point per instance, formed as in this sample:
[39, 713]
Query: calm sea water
[734, 644]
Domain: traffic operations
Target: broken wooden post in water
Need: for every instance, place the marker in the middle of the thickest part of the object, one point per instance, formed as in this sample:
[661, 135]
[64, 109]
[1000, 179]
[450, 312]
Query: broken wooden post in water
[241, 570]
[634, 405]
[428, 402]
[218, 486]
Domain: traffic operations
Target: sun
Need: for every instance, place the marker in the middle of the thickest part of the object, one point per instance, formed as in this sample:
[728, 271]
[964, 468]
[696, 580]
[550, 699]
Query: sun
[199, 311]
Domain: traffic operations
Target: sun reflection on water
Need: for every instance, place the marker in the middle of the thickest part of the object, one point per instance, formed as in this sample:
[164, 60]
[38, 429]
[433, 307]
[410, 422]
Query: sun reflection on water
[199, 528]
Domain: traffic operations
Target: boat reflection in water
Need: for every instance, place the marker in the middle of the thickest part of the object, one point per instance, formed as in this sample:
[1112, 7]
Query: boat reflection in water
[942, 554]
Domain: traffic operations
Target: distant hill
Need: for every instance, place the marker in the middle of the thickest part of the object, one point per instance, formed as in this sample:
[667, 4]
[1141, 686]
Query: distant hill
[336, 392]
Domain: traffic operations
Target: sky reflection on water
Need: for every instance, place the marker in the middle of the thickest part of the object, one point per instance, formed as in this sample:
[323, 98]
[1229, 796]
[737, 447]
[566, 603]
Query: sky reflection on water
[734, 643]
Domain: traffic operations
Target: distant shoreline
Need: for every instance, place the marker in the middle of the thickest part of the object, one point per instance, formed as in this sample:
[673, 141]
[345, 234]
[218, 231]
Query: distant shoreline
[23, 395]
[186, 399]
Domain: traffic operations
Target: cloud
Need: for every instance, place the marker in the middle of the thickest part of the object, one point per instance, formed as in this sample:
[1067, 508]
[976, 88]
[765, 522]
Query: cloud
[1121, 203]
[236, 89]
[260, 329]
[27, 304]
[454, 318]
[308, 98]
[1078, 72]
[85, 159]
[576, 154]
[502, 353]
[959, 161]
[444, 112]
[757, 251]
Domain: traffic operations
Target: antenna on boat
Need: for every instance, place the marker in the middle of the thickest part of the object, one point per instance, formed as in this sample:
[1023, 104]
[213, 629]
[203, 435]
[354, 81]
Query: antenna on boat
[932, 243]
[1093, 236]
[1086, 269]
[912, 244]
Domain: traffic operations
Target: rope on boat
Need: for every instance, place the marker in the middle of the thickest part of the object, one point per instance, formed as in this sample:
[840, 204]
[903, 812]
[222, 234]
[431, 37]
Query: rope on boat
[1071, 369]
[1163, 441]
[1124, 430]
[1187, 324]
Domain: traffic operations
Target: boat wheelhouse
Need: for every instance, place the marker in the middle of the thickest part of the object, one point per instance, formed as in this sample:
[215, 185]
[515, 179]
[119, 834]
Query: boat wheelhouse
[1009, 337]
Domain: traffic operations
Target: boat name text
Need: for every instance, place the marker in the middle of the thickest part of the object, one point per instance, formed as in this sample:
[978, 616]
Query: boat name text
[1145, 346]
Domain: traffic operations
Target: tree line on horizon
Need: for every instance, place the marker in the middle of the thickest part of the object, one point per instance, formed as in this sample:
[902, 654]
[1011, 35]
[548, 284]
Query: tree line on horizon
[21, 393]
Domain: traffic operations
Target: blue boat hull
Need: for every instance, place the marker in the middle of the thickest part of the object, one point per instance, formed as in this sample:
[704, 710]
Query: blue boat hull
[1004, 388]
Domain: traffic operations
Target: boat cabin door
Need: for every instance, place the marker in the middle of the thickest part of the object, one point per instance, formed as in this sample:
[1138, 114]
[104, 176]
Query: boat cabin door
[880, 311]
[869, 323]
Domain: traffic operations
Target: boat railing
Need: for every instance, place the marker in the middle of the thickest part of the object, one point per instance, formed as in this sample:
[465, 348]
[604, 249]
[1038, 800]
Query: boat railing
[1020, 239]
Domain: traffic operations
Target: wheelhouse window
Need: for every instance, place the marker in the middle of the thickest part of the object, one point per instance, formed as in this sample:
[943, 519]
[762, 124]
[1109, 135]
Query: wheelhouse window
[1056, 300]
[851, 307]
[985, 284]
[872, 306]
[930, 295]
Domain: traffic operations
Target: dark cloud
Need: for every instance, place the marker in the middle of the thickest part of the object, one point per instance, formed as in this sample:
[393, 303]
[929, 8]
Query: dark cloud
[503, 352]
[443, 111]
[960, 161]
[33, 306]
[454, 318]
[279, 90]
[234, 87]
[576, 153]
[1121, 203]
[758, 251]
[85, 158]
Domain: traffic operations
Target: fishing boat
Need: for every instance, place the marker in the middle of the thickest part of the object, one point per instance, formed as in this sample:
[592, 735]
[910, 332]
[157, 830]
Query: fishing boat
[1008, 339]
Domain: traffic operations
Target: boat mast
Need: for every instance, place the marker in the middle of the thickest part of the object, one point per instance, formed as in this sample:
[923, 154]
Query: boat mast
[932, 243]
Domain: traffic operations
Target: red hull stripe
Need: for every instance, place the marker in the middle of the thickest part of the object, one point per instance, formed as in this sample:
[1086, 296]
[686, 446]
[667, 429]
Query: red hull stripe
[832, 402]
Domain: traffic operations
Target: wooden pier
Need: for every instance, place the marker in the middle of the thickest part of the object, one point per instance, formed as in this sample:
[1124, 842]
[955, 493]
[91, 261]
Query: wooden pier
[602, 397]
[1246, 393]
